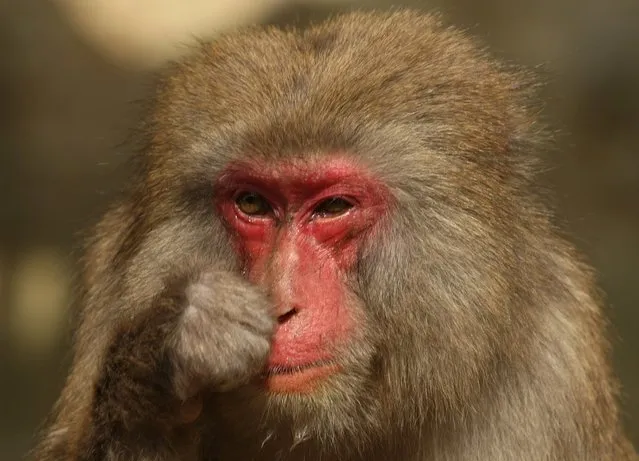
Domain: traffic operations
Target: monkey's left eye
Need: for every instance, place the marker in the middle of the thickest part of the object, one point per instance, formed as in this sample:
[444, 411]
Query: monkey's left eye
[333, 206]
[252, 204]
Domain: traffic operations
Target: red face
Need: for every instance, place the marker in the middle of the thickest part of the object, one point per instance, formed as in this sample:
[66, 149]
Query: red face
[298, 228]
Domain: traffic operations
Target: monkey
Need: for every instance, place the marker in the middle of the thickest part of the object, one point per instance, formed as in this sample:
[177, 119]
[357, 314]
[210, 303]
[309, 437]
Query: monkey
[334, 248]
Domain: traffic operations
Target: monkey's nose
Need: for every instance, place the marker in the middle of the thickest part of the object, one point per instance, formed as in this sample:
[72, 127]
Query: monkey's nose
[287, 315]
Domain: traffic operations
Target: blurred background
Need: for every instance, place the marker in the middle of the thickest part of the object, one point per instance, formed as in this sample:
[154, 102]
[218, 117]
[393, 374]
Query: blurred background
[71, 69]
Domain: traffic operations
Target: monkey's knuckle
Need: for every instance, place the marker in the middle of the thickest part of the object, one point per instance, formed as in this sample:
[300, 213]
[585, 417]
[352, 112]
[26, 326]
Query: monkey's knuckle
[260, 325]
[200, 295]
[221, 356]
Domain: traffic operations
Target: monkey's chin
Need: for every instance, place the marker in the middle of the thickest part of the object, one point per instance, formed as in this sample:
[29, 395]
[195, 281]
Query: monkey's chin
[300, 380]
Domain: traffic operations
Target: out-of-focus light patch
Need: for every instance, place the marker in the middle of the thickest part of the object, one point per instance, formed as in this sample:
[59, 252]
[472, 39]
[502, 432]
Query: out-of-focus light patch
[147, 33]
[38, 302]
[3, 275]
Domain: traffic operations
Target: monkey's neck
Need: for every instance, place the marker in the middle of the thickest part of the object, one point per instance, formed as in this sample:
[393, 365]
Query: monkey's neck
[279, 447]
[247, 436]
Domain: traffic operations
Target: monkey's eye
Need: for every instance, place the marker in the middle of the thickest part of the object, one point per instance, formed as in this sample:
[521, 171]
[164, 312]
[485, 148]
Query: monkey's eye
[333, 206]
[252, 204]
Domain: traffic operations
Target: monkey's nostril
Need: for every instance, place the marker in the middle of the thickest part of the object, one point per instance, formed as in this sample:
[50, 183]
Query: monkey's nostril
[287, 315]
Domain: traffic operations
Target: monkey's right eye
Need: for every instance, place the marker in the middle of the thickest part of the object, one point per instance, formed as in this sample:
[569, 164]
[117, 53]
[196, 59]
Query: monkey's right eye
[252, 204]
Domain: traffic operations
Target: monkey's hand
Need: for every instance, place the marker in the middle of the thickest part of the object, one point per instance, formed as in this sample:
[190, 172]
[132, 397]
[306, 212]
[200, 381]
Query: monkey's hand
[213, 332]
[223, 336]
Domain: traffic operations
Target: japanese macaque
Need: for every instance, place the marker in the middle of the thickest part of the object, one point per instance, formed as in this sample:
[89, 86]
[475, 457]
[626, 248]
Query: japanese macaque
[333, 250]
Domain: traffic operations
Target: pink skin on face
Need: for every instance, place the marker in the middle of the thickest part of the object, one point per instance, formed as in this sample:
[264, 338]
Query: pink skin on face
[301, 254]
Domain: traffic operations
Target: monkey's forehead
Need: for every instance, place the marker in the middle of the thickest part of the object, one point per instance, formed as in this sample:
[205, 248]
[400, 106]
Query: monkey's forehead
[381, 62]
[331, 85]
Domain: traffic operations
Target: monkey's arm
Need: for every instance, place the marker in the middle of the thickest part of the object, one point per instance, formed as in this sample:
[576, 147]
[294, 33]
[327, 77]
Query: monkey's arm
[140, 351]
[136, 410]
[86, 420]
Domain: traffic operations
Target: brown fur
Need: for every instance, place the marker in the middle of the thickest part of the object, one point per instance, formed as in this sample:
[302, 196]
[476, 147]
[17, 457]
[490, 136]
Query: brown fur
[483, 337]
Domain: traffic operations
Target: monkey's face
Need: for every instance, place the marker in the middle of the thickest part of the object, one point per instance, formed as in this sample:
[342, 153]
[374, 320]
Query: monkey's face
[298, 229]
[371, 197]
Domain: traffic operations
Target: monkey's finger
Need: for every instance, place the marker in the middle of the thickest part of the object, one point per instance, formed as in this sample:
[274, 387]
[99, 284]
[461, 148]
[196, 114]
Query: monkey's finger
[190, 410]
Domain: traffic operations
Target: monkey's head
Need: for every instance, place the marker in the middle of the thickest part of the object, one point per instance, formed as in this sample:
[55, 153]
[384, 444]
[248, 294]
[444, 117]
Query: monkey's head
[369, 176]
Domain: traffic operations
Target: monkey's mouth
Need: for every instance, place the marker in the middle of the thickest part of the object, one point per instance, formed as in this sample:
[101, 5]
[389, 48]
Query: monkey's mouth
[302, 378]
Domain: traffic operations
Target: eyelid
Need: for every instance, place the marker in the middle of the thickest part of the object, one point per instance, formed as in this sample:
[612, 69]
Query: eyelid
[349, 204]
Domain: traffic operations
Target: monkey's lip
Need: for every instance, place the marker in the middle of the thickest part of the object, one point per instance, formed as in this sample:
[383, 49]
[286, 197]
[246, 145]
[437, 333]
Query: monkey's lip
[298, 378]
